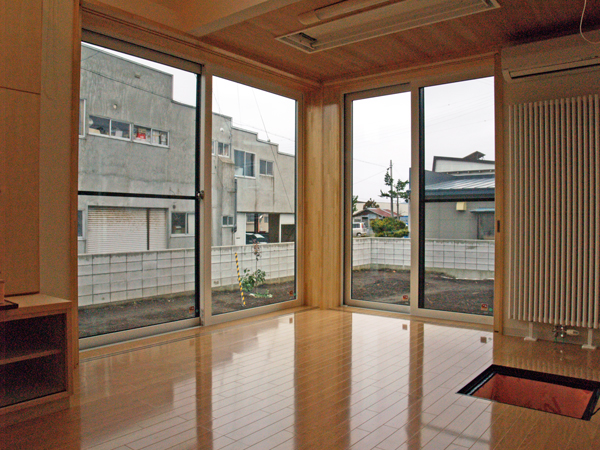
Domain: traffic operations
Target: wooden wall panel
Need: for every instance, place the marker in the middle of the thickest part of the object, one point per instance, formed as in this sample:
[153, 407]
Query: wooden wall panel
[323, 263]
[59, 105]
[313, 199]
[20, 52]
[19, 199]
[332, 186]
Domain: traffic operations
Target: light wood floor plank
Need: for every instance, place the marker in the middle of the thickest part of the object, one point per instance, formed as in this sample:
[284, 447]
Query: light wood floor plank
[323, 380]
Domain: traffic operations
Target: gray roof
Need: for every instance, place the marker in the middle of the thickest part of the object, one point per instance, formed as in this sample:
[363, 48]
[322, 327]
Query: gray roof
[463, 183]
[461, 188]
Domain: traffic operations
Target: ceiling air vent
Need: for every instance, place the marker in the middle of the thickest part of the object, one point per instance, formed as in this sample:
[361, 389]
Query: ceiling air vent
[367, 21]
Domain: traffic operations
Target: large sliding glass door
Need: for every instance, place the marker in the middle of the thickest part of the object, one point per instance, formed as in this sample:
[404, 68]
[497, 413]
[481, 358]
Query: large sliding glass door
[138, 191]
[426, 247]
[457, 197]
[378, 130]
[254, 185]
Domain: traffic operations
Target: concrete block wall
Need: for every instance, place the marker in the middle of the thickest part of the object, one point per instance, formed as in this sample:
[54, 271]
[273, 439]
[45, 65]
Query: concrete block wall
[277, 260]
[116, 277]
[391, 252]
[106, 278]
[469, 259]
[471, 255]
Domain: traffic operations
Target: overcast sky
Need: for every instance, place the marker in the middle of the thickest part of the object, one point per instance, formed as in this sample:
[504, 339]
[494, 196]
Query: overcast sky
[459, 120]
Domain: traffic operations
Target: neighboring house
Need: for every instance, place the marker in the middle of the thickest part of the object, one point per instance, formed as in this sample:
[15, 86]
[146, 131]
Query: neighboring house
[403, 211]
[135, 139]
[472, 164]
[370, 214]
[462, 190]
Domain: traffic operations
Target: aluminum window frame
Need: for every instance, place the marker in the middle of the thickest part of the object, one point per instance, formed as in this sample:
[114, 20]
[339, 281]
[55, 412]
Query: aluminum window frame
[162, 58]
[414, 84]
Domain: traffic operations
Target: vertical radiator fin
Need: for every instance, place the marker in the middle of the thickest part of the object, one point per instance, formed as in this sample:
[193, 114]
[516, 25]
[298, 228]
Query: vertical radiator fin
[555, 212]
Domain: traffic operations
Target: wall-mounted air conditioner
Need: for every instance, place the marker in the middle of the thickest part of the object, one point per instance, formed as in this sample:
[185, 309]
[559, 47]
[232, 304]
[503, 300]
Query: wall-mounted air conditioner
[551, 57]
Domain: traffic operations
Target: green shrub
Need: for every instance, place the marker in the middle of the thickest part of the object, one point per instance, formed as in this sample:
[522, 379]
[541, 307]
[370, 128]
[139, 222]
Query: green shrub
[250, 280]
[389, 227]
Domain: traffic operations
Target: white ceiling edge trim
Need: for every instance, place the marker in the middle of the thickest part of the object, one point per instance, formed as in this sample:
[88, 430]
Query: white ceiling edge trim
[388, 19]
[336, 10]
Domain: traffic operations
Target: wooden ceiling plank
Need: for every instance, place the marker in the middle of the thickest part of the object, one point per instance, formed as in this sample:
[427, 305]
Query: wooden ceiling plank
[251, 32]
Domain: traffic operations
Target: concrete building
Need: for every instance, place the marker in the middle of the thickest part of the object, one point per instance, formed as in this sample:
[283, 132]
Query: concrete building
[135, 139]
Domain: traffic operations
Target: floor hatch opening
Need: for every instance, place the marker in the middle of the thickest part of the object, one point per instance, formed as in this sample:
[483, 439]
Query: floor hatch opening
[566, 396]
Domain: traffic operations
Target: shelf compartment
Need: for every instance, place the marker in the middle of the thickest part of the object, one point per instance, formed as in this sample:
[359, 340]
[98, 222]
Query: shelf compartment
[14, 356]
[32, 378]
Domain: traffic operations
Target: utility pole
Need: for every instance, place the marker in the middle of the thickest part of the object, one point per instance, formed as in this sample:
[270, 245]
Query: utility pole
[391, 189]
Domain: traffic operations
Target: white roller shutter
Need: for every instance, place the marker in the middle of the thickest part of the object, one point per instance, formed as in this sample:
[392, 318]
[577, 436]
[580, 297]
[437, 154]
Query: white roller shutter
[115, 230]
[158, 229]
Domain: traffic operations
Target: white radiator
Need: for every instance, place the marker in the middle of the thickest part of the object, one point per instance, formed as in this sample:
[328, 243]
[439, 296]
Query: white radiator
[555, 212]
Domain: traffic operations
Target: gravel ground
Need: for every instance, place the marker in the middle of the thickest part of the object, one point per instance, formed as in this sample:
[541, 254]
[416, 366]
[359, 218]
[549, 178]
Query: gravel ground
[387, 286]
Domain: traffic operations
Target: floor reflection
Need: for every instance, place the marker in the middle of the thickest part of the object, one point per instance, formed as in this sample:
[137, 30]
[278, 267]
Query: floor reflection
[311, 380]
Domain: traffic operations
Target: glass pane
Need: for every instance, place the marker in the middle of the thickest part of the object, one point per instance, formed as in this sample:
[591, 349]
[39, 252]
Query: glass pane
[260, 239]
[160, 138]
[82, 117]
[121, 90]
[249, 168]
[141, 134]
[239, 163]
[79, 223]
[99, 125]
[459, 195]
[119, 129]
[191, 223]
[381, 151]
[136, 253]
[178, 223]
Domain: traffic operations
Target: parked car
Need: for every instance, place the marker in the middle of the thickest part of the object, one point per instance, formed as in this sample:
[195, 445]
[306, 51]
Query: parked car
[359, 229]
[251, 238]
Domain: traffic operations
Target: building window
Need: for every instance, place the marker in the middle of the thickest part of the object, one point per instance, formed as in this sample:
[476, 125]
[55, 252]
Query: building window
[82, 116]
[160, 138]
[152, 136]
[244, 164]
[182, 223]
[120, 130]
[266, 167]
[99, 125]
[227, 221]
[141, 134]
[221, 149]
[79, 223]
[103, 126]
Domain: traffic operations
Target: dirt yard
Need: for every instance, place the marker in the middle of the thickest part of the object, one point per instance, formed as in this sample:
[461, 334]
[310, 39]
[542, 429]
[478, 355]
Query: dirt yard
[387, 286]
[441, 291]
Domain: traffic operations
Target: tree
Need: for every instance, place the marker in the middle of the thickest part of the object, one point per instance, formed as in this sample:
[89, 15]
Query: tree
[370, 204]
[401, 194]
[396, 192]
[389, 227]
[391, 194]
[354, 201]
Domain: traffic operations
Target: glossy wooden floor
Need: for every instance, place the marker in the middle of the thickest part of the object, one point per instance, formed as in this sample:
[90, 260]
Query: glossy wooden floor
[311, 380]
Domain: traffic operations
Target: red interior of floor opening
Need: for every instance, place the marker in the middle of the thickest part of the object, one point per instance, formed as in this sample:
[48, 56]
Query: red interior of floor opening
[538, 395]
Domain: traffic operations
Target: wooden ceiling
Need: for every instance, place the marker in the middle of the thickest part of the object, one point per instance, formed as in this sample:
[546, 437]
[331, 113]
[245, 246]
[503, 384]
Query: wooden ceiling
[516, 21]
